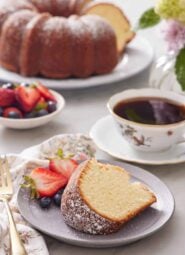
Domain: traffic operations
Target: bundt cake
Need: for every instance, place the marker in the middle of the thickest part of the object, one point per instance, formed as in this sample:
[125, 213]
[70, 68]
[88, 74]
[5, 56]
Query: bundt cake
[116, 18]
[50, 38]
[99, 198]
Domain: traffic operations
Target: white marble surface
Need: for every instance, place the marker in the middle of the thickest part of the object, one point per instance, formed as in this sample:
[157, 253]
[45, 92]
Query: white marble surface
[83, 108]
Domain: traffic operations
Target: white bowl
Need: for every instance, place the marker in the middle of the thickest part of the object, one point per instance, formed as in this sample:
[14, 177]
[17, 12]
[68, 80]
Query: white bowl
[34, 122]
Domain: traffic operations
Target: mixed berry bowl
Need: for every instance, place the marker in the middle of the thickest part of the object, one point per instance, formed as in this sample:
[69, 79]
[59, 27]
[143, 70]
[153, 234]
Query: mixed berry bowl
[25, 106]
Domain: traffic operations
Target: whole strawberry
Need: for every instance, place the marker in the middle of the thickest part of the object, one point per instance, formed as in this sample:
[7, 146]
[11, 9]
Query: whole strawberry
[7, 97]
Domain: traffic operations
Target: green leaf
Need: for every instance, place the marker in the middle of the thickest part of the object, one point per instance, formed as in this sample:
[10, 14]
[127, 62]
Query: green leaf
[60, 153]
[30, 184]
[180, 68]
[149, 19]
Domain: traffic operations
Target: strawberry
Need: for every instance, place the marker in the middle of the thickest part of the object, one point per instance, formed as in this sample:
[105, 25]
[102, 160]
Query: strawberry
[27, 97]
[7, 97]
[65, 167]
[42, 104]
[12, 112]
[45, 92]
[44, 183]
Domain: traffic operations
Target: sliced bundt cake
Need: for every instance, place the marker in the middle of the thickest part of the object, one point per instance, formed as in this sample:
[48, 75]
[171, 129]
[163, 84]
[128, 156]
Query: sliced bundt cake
[55, 39]
[53, 46]
[100, 198]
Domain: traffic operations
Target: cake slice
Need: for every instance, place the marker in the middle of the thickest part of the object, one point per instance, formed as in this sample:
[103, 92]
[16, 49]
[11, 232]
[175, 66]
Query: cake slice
[100, 198]
[116, 18]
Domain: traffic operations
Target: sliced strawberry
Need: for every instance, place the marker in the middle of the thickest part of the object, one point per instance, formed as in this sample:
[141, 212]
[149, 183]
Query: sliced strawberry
[66, 167]
[44, 183]
[27, 97]
[12, 112]
[7, 97]
[45, 92]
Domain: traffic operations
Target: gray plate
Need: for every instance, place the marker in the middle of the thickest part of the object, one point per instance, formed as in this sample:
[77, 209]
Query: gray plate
[154, 218]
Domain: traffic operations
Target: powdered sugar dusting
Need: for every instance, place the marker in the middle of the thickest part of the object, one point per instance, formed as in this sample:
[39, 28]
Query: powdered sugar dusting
[53, 24]
[77, 27]
[98, 26]
[55, 33]
[12, 6]
[79, 216]
[20, 18]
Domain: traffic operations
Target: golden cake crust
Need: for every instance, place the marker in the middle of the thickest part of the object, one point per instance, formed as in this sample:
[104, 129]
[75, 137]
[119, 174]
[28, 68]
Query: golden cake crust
[31, 48]
[79, 213]
[68, 49]
[112, 12]
[10, 53]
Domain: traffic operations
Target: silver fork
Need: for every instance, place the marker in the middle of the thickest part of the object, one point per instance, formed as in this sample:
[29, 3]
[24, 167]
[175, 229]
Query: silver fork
[6, 190]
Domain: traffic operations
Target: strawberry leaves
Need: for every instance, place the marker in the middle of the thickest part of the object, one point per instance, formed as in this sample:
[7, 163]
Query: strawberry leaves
[47, 181]
[60, 153]
[30, 184]
[42, 182]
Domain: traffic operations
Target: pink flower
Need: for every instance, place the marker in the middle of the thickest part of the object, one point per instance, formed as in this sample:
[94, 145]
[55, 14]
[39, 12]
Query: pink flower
[174, 34]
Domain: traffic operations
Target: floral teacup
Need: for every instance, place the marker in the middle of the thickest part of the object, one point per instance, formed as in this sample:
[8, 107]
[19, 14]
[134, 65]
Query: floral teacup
[148, 137]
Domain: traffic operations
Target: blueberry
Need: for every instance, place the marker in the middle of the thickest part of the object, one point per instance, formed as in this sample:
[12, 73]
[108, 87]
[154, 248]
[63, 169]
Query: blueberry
[30, 115]
[52, 106]
[57, 199]
[61, 191]
[42, 113]
[45, 202]
[23, 84]
[1, 111]
[14, 115]
[8, 86]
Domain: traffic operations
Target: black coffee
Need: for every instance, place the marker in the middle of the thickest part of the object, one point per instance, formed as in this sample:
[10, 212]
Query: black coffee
[153, 111]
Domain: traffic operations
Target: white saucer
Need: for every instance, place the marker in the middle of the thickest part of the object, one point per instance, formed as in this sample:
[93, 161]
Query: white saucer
[138, 56]
[107, 138]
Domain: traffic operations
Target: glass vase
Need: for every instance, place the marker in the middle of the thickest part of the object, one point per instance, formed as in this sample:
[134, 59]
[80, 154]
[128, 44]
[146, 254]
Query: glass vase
[163, 74]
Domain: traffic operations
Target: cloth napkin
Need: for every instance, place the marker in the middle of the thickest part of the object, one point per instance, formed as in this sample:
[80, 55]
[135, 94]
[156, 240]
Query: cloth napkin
[79, 145]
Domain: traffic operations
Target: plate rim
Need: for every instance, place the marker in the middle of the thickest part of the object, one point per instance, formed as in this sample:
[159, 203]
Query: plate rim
[137, 161]
[102, 243]
[66, 82]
